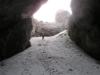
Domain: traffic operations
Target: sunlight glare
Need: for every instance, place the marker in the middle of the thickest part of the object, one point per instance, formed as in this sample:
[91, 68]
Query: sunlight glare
[48, 11]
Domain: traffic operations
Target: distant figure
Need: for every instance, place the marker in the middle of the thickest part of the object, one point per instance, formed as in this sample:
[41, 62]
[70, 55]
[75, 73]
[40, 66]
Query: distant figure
[42, 34]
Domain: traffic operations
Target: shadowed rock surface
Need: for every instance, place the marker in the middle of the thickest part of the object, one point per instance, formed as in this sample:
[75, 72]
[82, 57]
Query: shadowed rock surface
[84, 26]
[15, 25]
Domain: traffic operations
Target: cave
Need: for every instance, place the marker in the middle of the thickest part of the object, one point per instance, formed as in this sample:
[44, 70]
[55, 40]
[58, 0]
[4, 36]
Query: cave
[70, 49]
[18, 24]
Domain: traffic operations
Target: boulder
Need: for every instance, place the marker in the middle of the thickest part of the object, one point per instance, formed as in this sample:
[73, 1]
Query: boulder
[84, 26]
[16, 25]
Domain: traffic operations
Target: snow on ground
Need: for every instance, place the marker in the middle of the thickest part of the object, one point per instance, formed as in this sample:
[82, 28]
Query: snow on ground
[56, 55]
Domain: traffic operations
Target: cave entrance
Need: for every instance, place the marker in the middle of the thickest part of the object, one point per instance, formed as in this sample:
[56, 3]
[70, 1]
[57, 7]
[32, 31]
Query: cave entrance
[52, 17]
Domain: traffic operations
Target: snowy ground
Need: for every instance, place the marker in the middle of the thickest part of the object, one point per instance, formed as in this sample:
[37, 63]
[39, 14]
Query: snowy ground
[56, 55]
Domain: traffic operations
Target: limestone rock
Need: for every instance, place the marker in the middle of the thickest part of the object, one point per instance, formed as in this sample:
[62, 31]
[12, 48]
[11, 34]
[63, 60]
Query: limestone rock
[84, 26]
[16, 25]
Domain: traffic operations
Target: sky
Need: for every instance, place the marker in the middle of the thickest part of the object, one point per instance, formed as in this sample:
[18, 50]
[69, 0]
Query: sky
[47, 12]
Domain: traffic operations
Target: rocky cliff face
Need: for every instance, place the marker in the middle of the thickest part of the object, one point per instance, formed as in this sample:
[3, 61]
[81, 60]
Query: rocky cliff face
[15, 25]
[84, 26]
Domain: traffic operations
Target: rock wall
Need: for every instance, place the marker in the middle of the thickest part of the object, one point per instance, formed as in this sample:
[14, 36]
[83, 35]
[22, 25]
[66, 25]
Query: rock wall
[16, 25]
[84, 26]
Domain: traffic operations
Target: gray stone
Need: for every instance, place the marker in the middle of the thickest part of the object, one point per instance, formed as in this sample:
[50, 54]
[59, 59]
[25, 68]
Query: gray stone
[84, 26]
[16, 25]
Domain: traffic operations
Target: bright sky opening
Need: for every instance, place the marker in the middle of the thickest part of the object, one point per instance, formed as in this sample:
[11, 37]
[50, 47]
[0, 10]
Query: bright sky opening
[48, 11]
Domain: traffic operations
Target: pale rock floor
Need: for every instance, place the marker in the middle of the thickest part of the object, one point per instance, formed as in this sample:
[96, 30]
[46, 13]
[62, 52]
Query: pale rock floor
[56, 55]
